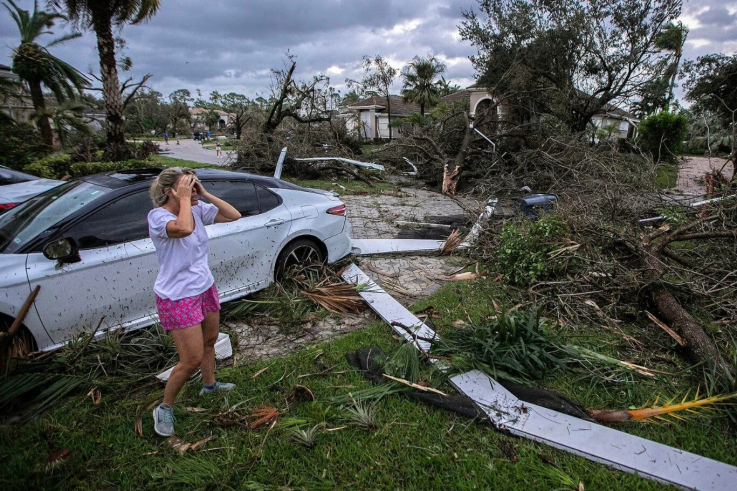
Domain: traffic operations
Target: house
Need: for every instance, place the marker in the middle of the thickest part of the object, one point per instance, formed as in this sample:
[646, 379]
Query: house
[199, 115]
[370, 119]
[17, 106]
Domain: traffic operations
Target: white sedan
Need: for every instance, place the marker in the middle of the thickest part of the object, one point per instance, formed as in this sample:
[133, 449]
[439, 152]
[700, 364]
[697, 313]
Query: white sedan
[86, 244]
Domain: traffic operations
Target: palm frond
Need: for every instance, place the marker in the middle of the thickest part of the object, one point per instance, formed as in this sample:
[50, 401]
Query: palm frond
[671, 409]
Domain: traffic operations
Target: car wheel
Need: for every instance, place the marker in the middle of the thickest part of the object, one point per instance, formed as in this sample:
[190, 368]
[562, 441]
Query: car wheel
[299, 254]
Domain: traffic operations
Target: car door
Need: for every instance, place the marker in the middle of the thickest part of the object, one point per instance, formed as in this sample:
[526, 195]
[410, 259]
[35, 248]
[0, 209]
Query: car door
[241, 253]
[104, 283]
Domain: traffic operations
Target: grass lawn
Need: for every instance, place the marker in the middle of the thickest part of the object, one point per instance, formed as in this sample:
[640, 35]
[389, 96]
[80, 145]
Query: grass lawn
[162, 161]
[667, 176]
[211, 146]
[414, 447]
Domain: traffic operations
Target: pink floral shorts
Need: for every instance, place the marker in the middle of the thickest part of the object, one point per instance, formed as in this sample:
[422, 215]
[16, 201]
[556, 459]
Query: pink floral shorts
[188, 311]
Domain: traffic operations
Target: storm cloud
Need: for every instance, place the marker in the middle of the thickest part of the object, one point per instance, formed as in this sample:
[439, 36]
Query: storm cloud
[234, 45]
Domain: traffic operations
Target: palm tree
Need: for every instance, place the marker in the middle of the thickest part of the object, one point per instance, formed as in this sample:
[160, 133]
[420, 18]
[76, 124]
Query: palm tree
[101, 16]
[672, 38]
[37, 67]
[419, 81]
[67, 116]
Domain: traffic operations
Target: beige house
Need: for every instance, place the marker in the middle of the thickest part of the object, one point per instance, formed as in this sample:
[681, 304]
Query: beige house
[199, 114]
[369, 118]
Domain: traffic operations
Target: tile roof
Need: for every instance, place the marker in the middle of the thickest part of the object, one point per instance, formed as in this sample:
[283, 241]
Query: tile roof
[461, 95]
[399, 107]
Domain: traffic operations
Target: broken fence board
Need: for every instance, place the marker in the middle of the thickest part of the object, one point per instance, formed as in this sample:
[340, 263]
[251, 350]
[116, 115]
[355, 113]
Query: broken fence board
[594, 441]
[364, 247]
[388, 308]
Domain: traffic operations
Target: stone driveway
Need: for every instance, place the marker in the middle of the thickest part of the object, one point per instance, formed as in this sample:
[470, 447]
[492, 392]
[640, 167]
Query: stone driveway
[407, 278]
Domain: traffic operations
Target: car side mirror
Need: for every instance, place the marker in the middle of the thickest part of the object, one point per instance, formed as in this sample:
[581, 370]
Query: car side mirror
[63, 250]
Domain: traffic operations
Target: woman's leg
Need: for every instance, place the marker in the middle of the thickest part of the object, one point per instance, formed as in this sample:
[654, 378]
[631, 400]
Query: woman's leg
[210, 331]
[189, 342]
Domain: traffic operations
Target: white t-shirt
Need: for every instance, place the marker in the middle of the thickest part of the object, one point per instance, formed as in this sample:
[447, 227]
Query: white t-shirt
[183, 269]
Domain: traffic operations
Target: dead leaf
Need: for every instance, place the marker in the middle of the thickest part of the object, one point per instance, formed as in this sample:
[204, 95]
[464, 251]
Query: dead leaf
[459, 277]
[196, 446]
[138, 426]
[263, 415]
[547, 460]
[458, 323]
[58, 455]
[195, 409]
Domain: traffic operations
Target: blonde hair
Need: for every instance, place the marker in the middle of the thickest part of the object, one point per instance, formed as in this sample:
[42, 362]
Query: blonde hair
[165, 181]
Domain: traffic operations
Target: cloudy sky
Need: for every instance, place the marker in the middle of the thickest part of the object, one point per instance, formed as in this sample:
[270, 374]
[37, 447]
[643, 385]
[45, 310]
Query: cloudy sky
[233, 45]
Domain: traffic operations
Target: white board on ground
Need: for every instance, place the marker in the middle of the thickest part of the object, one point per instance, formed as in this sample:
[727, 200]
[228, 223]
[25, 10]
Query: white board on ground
[594, 441]
[388, 308]
[365, 247]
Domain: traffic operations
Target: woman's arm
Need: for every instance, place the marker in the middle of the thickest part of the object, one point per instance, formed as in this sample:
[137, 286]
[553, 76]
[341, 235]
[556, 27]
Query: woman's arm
[183, 226]
[226, 212]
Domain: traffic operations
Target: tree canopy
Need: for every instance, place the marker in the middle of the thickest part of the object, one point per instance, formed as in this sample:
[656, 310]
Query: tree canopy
[420, 85]
[568, 59]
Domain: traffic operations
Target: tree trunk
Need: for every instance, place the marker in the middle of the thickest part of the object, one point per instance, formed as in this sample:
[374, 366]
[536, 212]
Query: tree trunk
[110, 83]
[697, 342]
[39, 105]
[389, 113]
[452, 169]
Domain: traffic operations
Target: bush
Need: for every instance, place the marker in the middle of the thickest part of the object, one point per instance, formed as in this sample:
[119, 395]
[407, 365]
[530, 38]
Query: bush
[80, 169]
[54, 166]
[20, 145]
[662, 135]
[523, 252]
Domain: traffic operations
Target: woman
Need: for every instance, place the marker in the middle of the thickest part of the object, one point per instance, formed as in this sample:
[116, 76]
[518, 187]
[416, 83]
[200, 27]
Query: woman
[186, 296]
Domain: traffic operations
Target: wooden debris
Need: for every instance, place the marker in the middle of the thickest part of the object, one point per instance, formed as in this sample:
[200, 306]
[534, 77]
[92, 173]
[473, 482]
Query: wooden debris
[415, 386]
[667, 410]
[665, 328]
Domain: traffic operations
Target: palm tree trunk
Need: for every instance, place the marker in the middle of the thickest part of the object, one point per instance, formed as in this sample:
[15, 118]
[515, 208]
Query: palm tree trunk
[110, 83]
[39, 105]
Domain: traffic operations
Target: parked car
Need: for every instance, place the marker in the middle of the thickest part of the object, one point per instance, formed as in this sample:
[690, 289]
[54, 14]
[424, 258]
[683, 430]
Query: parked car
[17, 187]
[86, 244]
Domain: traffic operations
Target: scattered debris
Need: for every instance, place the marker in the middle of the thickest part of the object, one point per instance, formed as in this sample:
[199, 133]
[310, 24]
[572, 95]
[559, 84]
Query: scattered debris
[259, 372]
[335, 297]
[280, 163]
[415, 386]
[368, 165]
[56, 457]
[592, 441]
[181, 446]
[263, 415]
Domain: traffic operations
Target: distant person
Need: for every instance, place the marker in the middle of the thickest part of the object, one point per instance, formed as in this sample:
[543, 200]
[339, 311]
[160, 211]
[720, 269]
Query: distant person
[217, 149]
[186, 296]
[176, 137]
[208, 136]
[166, 137]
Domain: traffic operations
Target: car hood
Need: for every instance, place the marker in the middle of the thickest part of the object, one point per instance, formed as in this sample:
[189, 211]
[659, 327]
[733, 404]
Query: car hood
[18, 193]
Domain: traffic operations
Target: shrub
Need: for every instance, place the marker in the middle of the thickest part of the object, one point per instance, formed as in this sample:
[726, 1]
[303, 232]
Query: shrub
[54, 166]
[524, 247]
[20, 145]
[80, 169]
[662, 135]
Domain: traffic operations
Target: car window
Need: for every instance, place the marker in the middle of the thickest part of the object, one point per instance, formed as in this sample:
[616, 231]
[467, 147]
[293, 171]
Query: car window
[8, 176]
[25, 222]
[240, 194]
[267, 200]
[123, 220]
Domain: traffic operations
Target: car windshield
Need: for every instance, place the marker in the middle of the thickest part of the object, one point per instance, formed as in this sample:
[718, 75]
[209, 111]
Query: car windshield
[26, 221]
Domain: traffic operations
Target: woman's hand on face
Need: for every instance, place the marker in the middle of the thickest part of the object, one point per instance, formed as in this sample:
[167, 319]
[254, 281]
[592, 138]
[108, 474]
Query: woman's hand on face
[199, 188]
[183, 188]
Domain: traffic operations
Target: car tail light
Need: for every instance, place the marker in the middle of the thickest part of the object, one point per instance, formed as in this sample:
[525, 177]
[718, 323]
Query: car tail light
[337, 210]
[7, 206]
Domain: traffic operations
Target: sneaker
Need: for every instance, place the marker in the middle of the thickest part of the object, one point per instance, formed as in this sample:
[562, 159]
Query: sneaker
[217, 387]
[164, 420]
